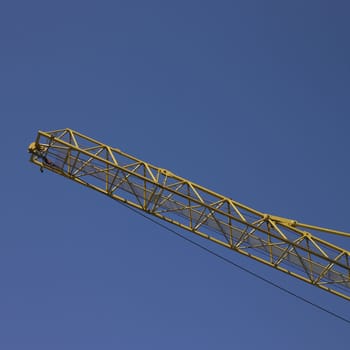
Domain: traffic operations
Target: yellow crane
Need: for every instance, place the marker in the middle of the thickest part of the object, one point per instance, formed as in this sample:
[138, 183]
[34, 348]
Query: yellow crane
[286, 245]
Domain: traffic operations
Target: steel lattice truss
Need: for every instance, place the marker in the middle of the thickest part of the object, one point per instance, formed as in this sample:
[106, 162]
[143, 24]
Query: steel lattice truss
[274, 241]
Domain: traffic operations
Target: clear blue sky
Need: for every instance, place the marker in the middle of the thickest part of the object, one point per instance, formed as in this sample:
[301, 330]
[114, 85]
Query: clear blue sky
[248, 98]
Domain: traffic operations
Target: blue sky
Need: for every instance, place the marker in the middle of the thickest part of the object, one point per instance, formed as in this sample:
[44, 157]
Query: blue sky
[248, 98]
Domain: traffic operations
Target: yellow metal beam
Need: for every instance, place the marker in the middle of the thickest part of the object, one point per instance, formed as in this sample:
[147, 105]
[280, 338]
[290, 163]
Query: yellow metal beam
[272, 240]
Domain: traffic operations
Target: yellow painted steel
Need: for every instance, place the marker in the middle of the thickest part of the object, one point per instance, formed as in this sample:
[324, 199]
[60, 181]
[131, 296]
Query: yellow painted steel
[275, 241]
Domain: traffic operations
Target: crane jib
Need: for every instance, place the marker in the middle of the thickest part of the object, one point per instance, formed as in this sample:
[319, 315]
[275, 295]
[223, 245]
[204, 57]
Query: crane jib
[277, 242]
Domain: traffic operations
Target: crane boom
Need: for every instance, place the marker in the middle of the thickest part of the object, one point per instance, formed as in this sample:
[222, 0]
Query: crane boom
[280, 243]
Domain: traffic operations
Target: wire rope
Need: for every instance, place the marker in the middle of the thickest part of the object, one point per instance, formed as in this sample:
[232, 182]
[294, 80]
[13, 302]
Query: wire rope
[232, 263]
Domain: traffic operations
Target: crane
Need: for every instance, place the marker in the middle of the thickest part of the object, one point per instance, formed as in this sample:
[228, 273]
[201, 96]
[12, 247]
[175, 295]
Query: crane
[287, 245]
